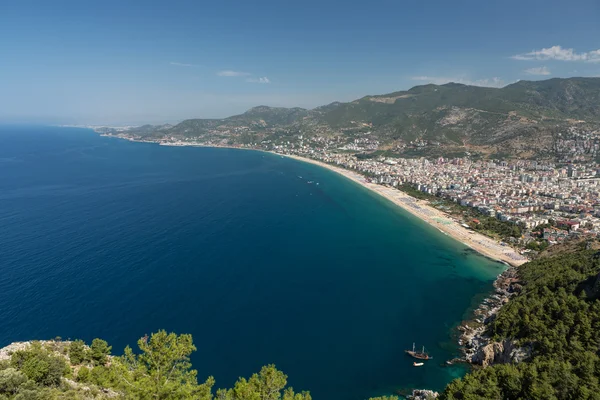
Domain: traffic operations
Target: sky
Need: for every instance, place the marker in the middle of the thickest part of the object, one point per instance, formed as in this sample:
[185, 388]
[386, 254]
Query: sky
[133, 62]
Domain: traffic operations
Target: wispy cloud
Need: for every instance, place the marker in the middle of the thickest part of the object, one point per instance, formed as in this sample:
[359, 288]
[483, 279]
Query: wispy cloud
[228, 72]
[538, 71]
[178, 64]
[263, 79]
[440, 80]
[560, 54]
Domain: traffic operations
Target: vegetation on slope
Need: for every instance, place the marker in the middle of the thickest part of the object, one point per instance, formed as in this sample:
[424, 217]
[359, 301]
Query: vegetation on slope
[490, 226]
[160, 370]
[522, 119]
[557, 313]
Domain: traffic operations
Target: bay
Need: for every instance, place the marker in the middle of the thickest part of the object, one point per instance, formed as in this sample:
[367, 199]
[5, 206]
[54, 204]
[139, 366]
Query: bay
[101, 237]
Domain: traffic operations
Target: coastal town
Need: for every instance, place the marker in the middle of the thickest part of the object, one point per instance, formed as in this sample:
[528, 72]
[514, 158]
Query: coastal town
[292, 200]
[563, 200]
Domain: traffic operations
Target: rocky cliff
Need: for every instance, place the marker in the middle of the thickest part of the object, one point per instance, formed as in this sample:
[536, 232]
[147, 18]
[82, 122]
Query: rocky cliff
[502, 352]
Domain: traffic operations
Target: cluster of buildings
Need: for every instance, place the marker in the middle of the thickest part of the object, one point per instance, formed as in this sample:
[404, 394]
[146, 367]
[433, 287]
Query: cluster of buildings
[577, 144]
[564, 202]
[361, 144]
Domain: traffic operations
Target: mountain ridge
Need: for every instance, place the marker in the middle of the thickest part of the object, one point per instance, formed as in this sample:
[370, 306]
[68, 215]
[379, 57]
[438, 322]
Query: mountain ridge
[522, 119]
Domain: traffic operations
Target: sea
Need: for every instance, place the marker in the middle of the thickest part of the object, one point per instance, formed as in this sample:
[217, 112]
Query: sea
[263, 259]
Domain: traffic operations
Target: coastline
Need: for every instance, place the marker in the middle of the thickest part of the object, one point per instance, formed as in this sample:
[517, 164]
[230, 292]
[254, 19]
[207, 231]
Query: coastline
[474, 345]
[484, 245]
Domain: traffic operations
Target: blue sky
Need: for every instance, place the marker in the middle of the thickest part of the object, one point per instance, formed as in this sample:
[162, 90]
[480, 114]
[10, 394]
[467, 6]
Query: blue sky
[131, 62]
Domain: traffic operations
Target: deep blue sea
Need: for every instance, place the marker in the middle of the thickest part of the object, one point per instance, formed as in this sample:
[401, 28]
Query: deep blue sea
[101, 237]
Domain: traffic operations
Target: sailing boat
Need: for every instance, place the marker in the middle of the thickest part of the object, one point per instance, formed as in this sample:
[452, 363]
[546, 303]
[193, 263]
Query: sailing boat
[421, 355]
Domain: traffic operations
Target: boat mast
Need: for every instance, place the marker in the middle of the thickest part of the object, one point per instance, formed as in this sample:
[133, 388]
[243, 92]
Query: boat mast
[413, 347]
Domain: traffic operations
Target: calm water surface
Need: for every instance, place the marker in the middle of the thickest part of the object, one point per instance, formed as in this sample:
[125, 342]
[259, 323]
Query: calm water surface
[105, 238]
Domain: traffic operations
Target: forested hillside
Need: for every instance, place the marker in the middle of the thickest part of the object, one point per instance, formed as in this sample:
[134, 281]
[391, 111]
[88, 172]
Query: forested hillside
[556, 315]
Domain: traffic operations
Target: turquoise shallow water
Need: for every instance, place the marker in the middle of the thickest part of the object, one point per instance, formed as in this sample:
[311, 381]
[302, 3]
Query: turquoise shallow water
[106, 238]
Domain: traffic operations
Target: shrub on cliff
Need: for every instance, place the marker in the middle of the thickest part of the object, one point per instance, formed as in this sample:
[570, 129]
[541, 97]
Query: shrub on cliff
[39, 365]
[77, 352]
[268, 384]
[163, 369]
[11, 380]
[99, 351]
[83, 375]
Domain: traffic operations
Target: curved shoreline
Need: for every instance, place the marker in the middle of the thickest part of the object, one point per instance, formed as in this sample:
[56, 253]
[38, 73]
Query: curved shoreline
[482, 244]
[471, 340]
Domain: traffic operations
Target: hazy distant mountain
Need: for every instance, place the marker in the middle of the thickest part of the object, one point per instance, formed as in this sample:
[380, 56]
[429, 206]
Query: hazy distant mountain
[269, 116]
[520, 119]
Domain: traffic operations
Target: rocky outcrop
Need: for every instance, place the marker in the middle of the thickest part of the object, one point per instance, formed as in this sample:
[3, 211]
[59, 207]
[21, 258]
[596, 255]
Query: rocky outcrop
[105, 393]
[6, 352]
[421, 394]
[60, 348]
[500, 353]
[477, 347]
[57, 346]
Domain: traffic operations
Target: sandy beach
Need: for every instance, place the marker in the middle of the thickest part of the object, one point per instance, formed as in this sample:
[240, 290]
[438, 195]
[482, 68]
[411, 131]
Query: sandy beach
[419, 208]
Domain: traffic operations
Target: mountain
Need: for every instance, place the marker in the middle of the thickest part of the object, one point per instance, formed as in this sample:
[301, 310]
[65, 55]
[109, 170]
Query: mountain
[563, 98]
[270, 116]
[524, 119]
